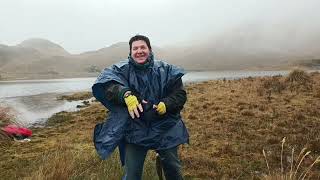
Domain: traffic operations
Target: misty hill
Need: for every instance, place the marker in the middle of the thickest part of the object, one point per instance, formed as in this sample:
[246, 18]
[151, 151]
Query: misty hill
[108, 55]
[250, 47]
[44, 46]
[105, 56]
[234, 50]
[15, 56]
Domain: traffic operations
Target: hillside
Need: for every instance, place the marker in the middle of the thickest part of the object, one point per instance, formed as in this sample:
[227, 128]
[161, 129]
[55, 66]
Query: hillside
[44, 46]
[248, 46]
[40, 58]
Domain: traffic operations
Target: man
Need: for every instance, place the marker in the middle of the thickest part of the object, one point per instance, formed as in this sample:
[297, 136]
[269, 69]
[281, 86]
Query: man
[145, 97]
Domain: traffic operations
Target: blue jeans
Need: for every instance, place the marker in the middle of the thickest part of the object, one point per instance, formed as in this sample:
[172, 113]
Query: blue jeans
[135, 156]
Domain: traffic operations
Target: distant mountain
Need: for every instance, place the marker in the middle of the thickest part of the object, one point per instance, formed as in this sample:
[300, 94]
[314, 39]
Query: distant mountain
[32, 58]
[14, 55]
[44, 46]
[105, 56]
[40, 58]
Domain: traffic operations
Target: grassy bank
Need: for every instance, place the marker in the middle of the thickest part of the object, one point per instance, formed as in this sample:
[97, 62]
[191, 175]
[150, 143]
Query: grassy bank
[230, 122]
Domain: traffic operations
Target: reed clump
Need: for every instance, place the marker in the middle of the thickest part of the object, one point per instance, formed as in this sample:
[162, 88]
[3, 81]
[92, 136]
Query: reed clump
[298, 168]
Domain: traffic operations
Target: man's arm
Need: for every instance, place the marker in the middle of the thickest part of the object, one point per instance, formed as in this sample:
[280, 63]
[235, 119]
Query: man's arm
[119, 94]
[176, 99]
[115, 92]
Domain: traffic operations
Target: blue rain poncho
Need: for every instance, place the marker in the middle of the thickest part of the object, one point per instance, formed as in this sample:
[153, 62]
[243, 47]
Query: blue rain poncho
[153, 81]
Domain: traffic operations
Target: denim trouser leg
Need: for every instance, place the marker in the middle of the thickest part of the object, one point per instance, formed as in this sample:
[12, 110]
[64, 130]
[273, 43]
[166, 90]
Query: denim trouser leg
[135, 156]
[170, 163]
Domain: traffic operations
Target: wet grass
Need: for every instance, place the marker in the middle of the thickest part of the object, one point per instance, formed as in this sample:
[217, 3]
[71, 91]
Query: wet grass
[230, 122]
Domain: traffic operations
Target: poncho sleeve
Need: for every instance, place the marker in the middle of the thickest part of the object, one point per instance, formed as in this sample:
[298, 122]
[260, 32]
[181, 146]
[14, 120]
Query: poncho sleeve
[113, 74]
[109, 134]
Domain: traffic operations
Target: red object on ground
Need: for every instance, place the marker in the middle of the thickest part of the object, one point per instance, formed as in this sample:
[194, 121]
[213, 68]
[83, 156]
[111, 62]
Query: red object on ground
[14, 130]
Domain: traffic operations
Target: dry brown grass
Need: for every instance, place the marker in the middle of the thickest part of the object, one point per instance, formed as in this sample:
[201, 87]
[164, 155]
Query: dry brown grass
[5, 115]
[229, 122]
[5, 118]
[64, 150]
[296, 171]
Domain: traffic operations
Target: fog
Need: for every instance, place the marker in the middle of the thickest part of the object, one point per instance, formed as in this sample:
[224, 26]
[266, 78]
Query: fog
[83, 25]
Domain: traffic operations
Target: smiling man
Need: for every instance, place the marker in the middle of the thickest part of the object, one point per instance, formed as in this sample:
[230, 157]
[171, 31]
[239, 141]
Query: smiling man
[140, 51]
[145, 97]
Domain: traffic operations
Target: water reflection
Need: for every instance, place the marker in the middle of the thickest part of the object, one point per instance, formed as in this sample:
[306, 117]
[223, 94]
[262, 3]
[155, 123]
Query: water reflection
[35, 109]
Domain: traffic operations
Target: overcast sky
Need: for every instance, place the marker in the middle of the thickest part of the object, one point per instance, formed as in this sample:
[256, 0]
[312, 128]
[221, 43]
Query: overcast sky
[84, 25]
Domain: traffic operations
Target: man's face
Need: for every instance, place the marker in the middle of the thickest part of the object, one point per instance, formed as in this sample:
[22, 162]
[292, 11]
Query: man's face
[139, 51]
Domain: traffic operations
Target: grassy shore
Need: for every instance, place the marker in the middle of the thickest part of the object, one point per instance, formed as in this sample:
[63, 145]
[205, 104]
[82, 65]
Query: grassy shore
[230, 122]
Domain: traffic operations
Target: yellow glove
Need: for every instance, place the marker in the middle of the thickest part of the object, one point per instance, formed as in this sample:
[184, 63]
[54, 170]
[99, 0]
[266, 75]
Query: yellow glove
[133, 106]
[161, 108]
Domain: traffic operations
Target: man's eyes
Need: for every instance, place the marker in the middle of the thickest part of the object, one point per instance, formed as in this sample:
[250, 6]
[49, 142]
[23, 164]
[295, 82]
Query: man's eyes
[141, 47]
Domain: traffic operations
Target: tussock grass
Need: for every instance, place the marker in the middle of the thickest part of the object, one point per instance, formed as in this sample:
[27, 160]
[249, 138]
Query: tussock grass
[299, 76]
[299, 80]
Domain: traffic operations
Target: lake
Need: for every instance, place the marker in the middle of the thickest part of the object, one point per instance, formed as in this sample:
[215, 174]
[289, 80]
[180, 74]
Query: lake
[33, 101]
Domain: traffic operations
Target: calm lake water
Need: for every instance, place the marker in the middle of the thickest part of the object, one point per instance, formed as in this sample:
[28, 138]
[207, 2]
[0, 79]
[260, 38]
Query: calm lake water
[33, 101]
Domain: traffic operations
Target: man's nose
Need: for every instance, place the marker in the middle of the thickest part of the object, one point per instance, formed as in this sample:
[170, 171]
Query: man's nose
[140, 50]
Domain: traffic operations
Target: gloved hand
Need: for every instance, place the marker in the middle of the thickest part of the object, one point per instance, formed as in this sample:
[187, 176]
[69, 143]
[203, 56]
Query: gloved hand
[133, 106]
[161, 108]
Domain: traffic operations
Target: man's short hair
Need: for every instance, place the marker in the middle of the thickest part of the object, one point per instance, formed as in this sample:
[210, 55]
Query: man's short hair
[138, 38]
